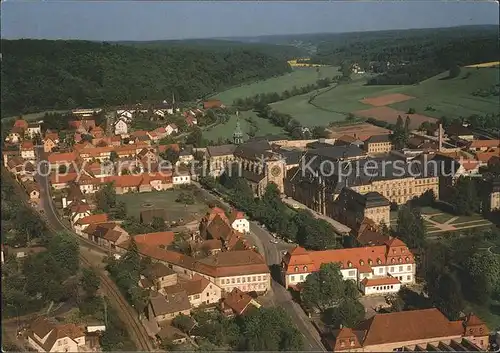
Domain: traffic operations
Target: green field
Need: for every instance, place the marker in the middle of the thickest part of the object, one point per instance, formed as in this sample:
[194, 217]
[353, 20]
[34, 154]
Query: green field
[226, 131]
[299, 77]
[137, 202]
[448, 97]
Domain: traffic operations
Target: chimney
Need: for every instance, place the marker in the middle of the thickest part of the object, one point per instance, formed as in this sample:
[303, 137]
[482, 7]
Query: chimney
[440, 137]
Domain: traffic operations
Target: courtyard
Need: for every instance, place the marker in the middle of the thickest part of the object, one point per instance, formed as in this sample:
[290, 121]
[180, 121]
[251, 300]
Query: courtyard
[176, 211]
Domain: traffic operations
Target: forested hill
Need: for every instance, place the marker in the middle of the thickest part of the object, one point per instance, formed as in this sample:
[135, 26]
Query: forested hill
[285, 52]
[42, 74]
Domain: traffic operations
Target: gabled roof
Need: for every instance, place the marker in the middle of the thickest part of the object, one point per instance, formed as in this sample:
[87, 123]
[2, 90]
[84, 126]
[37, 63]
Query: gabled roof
[169, 304]
[193, 286]
[237, 300]
[93, 219]
[155, 239]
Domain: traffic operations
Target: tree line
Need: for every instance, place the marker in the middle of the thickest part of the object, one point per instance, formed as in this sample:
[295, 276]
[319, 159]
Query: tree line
[89, 74]
[298, 226]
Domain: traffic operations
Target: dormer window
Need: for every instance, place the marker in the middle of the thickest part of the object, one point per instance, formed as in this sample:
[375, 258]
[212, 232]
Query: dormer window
[361, 262]
[370, 262]
[296, 269]
[305, 268]
[400, 260]
[352, 343]
[379, 261]
[403, 250]
[342, 344]
[407, 259]
[349, 264]
[393, 260]
[393, 251]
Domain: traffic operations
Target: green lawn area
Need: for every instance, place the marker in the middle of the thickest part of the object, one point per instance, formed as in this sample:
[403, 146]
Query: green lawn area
[453, 97]
[464, 219]
[427, 210]
[226, 130]
[137, 202]
[299, 77]
[33, 116]
[442, 218]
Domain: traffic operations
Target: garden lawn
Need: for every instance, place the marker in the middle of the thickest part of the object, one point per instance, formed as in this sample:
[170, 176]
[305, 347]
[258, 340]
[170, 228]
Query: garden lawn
[225, 131]
[299, 77]
[467, 219]
[137, 202]
[442, 218]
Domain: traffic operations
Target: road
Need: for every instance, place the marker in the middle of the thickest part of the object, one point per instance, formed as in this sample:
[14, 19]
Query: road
[273, 254]
[128, 315]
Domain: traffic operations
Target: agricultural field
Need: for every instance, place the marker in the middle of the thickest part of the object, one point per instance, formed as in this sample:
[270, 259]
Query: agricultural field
[444, 97]
[225, 131]
[299, 77]
[137, 202]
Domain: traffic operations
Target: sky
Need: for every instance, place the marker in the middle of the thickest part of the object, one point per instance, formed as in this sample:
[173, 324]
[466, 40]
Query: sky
[143, 20]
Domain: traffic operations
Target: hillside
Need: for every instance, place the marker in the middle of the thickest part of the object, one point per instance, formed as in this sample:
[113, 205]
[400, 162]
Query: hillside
[283, 52]
[45, 75]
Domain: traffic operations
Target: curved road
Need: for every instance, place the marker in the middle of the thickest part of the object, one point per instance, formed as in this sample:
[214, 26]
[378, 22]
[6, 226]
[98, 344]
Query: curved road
[129, 316]
[273, 254]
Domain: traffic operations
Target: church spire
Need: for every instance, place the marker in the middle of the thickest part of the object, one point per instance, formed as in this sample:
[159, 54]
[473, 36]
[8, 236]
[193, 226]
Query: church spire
[237, 135]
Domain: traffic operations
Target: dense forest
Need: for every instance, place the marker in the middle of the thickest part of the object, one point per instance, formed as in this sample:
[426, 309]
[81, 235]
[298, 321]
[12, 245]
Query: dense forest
[42, 74]
[282, 52]
[413, 55]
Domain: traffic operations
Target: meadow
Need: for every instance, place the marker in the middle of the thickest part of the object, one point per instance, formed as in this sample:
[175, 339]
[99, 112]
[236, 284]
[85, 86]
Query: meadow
[299, 77]
[445, 97]
[225, 131]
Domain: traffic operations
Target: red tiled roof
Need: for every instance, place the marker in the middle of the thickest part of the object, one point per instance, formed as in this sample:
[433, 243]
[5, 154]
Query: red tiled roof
[382, 281]
[62, 157]
[155, 239]
[484, 143]
[163, 148]
[484, 157]
[21, 123]
[27, 145]
[237, 300]
[93, 219]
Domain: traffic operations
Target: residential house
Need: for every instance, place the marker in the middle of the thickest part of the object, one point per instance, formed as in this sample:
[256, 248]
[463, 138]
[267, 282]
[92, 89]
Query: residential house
[191, 121]
[21, 123]
[83, 223]
[200, 290]
[459, 132]
[50, 141]
[236, 303]
[66, 158]
[157, 276]
[413, 330]
[379, 269]
[15, 136]
[186, 155]
[161, 239]
[79, 211]
[108, 235]
[34, 129]
[120, 127]
[171, 129]
[44, 336]
[165, 308]
[483, 145]
[172, 334]
[378, 144]
[181, 177]
[27, 150]
[231, 239]
[239, 222]
[8, 155]
[32, 189]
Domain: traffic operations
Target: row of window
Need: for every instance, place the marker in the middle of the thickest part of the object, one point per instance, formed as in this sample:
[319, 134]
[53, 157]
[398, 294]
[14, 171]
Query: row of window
[243, 279]
[384, 287]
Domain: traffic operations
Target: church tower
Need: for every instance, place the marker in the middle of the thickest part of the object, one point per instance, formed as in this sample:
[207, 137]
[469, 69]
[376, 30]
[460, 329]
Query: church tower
[238, 134]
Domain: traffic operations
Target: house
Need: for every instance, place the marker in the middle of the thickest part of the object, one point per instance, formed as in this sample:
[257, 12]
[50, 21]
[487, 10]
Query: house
[172, 334]
[161, 239]
[378, 144]
[82, 223]
[34, 129]
[211, 104]
[165, 308]
[120, 127]
[147, 216]
[158, 276]
[413, 330]
[44, 336]
[237, 303]
[199, 290]
[239, 222]
[27, 150]
[65, 158]
[459, 132]
[32, 189]
[171, 129]
[78, 211]
[379, 269]
[181, 177]
[191, 121]
[50, 141]
[186, 155]
[15, 135]
[483, 145]
[108, 235]
[21, 124]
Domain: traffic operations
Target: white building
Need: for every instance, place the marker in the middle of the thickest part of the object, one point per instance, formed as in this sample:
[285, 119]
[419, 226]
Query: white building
[34, 129]
[379, 269]
[44, 336]
[171, 129]
[239, 222]
[121, 127]
[180, 178]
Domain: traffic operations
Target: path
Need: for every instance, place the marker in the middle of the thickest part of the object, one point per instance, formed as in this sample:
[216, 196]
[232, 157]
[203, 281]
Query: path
[449, 227]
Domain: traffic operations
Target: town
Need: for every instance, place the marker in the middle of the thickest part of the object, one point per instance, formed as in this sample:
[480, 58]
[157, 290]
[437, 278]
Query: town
[215, 220]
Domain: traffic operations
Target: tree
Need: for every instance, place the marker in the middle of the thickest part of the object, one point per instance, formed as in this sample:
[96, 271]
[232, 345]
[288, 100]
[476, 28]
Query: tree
[411, 227]
[465, 197]
[183, 323]
[113, 156]
[106, 198]
[446, 294]
[454, 71]
[348, 313]
[90, 282]
[411, 111]
[64, 249]
[171, 155]
[195, 138]
[326, 288]
[400, 134]
[158, 224]
[481, 273]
